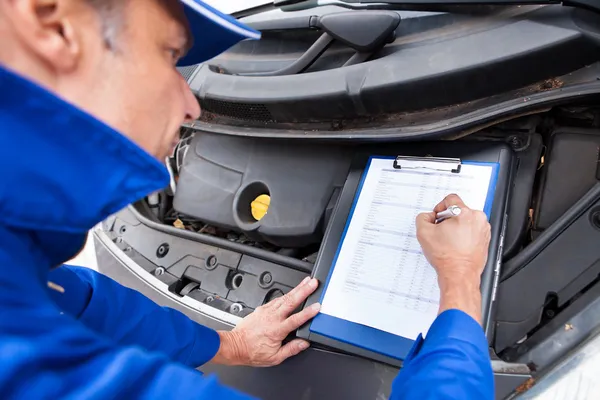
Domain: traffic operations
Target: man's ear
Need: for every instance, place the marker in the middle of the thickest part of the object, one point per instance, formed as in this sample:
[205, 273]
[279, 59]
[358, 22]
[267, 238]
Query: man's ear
[47, 28]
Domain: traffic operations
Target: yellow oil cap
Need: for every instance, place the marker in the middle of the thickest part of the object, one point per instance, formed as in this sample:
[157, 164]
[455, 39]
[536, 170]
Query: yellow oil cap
[260, 205]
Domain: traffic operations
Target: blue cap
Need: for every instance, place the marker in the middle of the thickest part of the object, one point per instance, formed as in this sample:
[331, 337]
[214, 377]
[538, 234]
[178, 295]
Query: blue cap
[213, 32]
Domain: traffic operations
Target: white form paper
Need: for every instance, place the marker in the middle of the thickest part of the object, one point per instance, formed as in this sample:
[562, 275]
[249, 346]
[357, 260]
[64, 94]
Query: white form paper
[381, 278]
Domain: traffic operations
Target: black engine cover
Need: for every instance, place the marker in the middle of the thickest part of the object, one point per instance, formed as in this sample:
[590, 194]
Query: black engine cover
[222, 175]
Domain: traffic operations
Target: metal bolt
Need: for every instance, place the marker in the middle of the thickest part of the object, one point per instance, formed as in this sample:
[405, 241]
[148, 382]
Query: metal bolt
[236, 308]
[159, 271]
[162, 250]
[518, 143]
[267, 278]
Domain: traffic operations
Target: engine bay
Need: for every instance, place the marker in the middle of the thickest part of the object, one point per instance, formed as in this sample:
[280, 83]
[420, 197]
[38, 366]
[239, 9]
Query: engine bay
[243, 219]
[224, 179]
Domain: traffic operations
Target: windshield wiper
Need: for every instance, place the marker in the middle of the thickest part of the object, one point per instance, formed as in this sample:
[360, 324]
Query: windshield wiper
[289, 5]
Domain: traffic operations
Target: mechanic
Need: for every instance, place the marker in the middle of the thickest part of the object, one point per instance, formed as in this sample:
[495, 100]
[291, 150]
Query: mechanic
[91, 101]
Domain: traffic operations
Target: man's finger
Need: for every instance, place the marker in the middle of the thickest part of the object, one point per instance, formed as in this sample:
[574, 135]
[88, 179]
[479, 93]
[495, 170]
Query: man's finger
[450, 200]
[276, 303]
[296, 296]
[295, 321]
[291, 349]
[425, 222]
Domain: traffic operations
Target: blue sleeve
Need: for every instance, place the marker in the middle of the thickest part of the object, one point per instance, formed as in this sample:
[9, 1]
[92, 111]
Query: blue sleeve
[453, 362]
[46, 354]
[129, 318]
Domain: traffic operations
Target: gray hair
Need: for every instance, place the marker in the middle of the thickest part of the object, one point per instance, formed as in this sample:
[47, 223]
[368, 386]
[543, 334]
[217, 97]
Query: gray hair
[110, 12]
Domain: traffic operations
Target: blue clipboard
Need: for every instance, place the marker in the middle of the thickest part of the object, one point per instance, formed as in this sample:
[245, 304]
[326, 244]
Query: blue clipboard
[363, 336]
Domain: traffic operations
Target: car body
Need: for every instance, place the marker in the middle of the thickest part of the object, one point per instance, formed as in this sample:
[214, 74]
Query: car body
[284, 117]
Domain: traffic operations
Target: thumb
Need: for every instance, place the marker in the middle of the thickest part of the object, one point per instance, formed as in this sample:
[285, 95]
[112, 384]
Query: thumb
[291, 349]
[425, 219]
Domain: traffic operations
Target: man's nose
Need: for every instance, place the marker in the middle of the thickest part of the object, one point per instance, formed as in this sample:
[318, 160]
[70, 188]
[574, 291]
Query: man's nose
[192, 108]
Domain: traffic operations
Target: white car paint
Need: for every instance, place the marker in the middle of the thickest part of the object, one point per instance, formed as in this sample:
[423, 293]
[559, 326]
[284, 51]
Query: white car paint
[231, 6]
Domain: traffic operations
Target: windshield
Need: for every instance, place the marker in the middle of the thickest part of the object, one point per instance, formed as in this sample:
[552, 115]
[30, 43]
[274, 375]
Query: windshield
[231, 6]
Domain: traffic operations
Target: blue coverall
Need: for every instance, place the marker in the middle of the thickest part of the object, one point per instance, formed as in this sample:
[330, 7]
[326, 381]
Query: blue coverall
[64, 171]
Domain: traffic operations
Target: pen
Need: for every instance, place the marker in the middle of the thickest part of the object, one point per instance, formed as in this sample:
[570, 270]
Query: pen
[452, 211]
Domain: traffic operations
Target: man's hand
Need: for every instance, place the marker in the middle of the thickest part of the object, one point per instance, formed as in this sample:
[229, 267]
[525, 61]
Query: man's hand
[458, 250]
[257, 339]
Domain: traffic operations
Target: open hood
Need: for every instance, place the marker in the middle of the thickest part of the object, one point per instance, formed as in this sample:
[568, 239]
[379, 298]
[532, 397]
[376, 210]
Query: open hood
[315, 70]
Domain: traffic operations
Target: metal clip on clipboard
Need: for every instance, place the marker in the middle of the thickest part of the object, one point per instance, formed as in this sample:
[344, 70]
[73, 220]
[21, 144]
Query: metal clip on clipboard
[431, 163]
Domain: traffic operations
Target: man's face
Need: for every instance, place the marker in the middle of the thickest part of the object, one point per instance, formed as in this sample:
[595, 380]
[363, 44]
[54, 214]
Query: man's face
[150, 99]
[131, 84]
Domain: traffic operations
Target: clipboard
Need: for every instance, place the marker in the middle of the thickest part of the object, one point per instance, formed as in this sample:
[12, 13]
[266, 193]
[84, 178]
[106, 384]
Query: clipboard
[361, 340]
